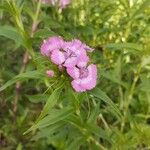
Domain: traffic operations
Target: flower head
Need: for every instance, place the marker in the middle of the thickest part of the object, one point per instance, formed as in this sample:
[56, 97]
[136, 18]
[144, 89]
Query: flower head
[69, 54]
[73, 56]
[78, 44]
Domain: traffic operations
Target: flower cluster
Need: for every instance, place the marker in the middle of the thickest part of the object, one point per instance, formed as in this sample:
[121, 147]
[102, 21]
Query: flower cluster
[72, 55]
[61, 3]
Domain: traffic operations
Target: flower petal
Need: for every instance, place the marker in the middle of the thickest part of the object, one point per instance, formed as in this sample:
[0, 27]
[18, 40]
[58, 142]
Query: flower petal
[45, 48]
[73, 72]
[82, 61]
[70, 62]
[75, 46]
[76, 85]
[90, 81]
[87, 48]
[51, 44]
[64, 3]
[57, 57]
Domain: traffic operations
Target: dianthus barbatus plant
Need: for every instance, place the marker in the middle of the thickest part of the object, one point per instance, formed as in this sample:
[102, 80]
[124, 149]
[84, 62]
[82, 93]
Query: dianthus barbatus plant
[72, 55]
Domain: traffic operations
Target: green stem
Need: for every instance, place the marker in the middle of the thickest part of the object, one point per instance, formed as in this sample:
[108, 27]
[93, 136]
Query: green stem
[130, 96]
[26, 55]
[35, 19]
[37, 11]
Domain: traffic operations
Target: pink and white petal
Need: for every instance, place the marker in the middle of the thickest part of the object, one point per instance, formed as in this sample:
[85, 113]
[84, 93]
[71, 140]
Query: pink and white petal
[56, 42]
[88, 84]
[75, 46]
[82, 61]
[51, 44]
[90, 81]
[45, 48]
[57, 57]
[70, 62]
[79, 51]
[68, 46]
[87, 48]
[73, 72]
[64, 3]
[92, 70]
[76, 43]
[76, 85]
[79, 45]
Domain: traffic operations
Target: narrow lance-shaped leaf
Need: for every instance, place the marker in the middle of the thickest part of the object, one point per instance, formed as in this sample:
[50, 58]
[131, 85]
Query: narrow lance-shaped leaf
[129, 47]
[11, 33]
[53, 117]
[144, 6]
[46, 132]
[37, 98]
[52, 100]
[111, 76]
[98, 93]
[21, 77]
[75, 144]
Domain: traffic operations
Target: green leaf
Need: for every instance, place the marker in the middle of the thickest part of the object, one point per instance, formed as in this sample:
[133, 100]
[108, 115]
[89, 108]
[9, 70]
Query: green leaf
[44, 33]
[75, 120]
[53, 117]
[51, 102]
[115, 74]
[75, 144]
[86, 127]
[98, 93]
[46, 132]
[21, 77]
[99, 132]
[37, 98]
[111, 76]
[145, 5]
[129, 47]
[11, 33]
[19, 147]
[94, 114]
[145, 61]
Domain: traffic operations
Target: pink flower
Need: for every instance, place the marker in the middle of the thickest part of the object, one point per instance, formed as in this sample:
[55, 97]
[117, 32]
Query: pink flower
[78, 44]
[64, 53]
[52, 43]
[63, 3]
[84, 78]
[58, 57]
[50, 73]
[76, 54]
[70, 55]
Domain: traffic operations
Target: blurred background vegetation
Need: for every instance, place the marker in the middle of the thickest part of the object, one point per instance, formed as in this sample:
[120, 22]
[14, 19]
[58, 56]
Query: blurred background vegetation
[115, 115]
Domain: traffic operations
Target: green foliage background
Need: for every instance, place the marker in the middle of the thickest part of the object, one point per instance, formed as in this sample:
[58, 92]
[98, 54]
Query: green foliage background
[45, 113]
